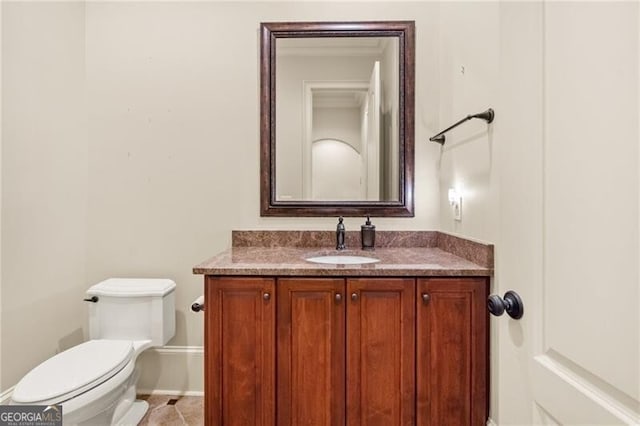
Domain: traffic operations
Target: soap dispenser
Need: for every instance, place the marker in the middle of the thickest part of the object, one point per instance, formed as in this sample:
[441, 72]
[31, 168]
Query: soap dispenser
[368, 235]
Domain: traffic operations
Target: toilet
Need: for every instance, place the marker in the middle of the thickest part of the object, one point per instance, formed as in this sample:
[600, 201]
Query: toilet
[96, 381]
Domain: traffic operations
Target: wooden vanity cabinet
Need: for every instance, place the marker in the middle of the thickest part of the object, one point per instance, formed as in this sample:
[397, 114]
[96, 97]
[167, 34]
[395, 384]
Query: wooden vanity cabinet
[239, 346]
[381, 351]
[355, 351]
[452, 341]
[311, 351]
[346, 351]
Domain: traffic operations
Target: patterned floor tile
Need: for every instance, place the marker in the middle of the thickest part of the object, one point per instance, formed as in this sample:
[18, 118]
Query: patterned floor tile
[173, 410]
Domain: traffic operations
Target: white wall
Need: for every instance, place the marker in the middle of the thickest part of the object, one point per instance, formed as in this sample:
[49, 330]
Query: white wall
[173, 128]
[338, 123]
[469, 63]
[151, 184]
[44, 183]
[130, 148]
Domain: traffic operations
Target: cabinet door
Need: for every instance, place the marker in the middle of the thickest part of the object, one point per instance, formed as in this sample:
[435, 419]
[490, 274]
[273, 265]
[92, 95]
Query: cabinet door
[311, 357]
[452, 351]
[239, 351]
[381, 352]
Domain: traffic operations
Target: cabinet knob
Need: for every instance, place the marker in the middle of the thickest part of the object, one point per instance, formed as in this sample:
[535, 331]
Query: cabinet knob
[338, 297]
[426, 297]
[354, 296]
[266, 296]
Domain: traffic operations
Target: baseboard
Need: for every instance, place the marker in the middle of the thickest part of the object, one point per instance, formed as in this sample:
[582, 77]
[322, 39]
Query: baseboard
[490, 422]
[6, 395]
[172, 370]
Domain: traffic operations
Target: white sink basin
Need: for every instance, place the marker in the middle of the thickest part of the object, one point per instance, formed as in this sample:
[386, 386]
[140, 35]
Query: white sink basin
[342, 260]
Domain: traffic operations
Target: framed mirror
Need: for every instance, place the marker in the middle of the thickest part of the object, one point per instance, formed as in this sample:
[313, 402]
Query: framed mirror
[337, 118]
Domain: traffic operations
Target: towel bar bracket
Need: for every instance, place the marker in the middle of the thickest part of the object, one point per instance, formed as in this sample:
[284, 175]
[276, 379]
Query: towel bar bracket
[487, 116]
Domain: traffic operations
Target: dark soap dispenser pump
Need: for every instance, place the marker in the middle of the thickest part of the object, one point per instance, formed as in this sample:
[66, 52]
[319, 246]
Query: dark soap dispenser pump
[368, 235]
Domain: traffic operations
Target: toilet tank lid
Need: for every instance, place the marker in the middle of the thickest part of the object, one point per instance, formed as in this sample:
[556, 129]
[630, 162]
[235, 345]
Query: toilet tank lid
[132, 287]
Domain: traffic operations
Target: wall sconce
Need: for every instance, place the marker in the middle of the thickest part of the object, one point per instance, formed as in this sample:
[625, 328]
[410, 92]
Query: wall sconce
[455, 199]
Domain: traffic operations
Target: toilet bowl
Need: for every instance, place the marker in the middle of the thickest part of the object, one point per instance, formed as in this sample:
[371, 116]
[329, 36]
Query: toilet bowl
[95, 382]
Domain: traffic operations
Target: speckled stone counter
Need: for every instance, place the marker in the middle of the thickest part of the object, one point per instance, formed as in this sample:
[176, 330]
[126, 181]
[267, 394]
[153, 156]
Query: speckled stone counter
[401, 253]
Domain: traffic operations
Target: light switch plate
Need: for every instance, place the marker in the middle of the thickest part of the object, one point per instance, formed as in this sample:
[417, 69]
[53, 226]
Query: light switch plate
[455, 200]
[456, 206]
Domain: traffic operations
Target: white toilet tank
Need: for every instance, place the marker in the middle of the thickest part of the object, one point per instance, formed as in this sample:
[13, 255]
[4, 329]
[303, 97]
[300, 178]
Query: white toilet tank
[133, 309]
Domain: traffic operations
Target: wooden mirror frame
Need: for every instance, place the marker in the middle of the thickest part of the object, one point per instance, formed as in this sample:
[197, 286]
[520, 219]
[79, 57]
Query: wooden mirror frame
[269, 33]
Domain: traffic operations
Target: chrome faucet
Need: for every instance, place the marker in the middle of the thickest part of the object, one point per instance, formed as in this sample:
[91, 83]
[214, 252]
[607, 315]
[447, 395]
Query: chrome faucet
[340, 234]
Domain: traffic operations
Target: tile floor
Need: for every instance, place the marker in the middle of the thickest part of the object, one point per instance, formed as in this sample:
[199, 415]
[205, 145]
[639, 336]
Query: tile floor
[173, 410]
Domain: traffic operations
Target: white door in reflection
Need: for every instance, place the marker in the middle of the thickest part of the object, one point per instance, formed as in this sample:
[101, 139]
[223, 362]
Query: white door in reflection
[336, 173]
[371, 133]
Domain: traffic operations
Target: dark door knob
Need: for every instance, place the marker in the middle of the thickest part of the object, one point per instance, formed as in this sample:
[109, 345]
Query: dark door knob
[512, 303]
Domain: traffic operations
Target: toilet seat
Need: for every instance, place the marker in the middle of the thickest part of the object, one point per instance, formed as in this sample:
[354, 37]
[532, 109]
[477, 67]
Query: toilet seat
[73, 372]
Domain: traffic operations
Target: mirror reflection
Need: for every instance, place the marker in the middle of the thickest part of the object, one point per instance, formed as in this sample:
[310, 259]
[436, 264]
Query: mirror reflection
[337, 118]
[337, 103]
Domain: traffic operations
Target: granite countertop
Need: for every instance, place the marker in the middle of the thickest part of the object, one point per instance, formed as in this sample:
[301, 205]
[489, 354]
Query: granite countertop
[283, 253]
